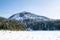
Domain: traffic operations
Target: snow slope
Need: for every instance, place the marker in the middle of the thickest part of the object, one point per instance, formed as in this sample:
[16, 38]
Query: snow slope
[28, 35]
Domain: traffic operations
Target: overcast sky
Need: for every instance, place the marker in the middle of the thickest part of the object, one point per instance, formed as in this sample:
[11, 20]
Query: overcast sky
[48, 8]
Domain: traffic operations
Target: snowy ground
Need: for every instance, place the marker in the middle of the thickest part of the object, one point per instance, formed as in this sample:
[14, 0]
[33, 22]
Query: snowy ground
[29, 35]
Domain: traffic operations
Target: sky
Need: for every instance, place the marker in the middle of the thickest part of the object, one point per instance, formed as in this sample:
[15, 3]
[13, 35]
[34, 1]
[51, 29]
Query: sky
[48, 8]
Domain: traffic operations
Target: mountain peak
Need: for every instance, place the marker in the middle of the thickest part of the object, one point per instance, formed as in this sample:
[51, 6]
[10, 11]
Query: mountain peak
[26, 15]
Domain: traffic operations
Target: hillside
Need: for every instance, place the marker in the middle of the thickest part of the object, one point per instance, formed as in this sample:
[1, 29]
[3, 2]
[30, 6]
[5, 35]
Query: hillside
[6, 24]
[32, 24]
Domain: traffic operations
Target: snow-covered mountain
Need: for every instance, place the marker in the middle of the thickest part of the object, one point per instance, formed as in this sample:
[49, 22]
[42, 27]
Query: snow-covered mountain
[25, 15]
[28, 18]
